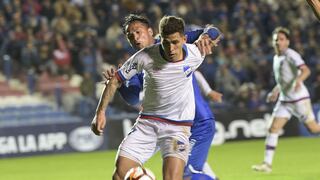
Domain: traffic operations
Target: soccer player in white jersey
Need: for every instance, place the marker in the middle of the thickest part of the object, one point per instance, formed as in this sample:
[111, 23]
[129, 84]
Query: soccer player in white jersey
[168, 103]
[293, 97]
[140, 35]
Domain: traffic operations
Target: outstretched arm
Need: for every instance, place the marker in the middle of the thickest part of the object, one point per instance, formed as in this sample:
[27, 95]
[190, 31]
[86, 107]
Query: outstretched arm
[130, 90]
[273, 95]
[99, 120]
[205, 39]
[206, 89]
[305, 73]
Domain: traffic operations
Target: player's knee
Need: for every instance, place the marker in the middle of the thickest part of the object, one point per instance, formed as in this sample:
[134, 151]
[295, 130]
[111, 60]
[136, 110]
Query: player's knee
[119, 172]
[116, 176]
[313, 127]
[171, 175]
[274, 129]
[314, 130]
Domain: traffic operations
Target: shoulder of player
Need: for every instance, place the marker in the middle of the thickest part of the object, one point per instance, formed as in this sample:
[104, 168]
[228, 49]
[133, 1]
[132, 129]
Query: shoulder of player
[193, 50]
[144, 52]
[292, 53]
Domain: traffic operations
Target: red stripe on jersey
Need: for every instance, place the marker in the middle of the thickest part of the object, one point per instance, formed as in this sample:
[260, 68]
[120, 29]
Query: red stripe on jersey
[165, 120]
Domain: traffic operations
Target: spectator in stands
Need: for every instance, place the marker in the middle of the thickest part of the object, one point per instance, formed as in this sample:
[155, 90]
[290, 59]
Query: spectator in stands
[61, 54]
[226, 82]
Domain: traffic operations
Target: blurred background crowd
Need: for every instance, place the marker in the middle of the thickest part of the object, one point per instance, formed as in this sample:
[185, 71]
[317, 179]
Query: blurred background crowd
[61, 47]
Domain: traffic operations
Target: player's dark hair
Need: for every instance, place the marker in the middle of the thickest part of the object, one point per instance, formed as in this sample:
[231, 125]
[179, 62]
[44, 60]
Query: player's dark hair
[134, 17]
[171, 24]
[282, 30]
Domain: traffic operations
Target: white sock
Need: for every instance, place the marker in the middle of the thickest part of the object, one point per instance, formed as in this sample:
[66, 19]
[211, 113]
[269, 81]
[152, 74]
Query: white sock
[208, 171]
[271, 144]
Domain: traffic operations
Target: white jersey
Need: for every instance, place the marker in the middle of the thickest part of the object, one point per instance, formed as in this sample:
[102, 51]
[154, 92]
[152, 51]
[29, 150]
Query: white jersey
[168, 90]
[286, 71]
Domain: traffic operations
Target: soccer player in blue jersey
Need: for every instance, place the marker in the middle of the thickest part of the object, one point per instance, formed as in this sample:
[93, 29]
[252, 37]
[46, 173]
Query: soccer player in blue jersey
[140, 35]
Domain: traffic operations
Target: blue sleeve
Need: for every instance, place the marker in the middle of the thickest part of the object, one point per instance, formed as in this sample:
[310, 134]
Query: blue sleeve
[131, 89]
[192, 36]
[213, 33]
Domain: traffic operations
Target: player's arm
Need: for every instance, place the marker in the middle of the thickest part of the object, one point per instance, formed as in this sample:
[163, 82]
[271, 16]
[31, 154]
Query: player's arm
[205, 39]
[305, 73]
[130, 90]
[315, 5]
[206, 89]
[127, 71]
[273, 95]
[99, 120]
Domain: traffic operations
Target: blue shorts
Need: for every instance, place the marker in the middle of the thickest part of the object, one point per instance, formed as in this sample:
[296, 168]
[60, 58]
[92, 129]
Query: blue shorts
[202, 133]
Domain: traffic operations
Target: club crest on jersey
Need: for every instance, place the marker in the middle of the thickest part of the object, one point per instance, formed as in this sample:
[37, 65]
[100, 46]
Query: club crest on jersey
[187, 70]
[130, 67]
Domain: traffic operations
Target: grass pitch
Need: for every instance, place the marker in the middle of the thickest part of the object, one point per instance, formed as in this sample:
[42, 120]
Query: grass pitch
[295, 159]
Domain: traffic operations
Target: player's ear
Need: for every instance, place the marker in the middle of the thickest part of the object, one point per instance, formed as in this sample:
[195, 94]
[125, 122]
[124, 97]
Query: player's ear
[185, 38]
[150, 31]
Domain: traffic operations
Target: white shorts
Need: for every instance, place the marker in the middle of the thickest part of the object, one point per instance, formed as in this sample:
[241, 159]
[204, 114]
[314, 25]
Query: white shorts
[148, 136]
[301, 109]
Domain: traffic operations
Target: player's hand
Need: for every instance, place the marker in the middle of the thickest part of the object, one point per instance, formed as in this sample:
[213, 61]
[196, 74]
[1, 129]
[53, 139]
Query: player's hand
[272, 96]
[297, 85]
[109, 74]
[98, 123]
[204, 44]
[215, 96]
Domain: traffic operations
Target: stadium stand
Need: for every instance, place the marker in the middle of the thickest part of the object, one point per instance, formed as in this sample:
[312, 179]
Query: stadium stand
[46, 45]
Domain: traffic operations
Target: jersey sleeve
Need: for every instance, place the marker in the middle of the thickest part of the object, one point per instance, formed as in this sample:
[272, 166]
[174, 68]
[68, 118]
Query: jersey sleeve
[203, 84]
[130, 90]
[192, 36]
[213, 33]
[297, 59]
[131, 67]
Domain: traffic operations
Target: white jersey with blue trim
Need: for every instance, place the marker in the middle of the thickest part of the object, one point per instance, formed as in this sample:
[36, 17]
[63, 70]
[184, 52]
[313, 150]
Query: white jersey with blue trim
[167, 85]
[286, 70]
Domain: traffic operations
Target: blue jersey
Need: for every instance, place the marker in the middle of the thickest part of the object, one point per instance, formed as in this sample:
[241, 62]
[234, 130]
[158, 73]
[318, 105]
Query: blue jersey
[203, 110]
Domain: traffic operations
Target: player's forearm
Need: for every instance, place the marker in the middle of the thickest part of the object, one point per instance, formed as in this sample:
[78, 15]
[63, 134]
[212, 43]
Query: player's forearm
[107, 94]
[315, 5]
[276, 89]
[203, 84]
[305, 73]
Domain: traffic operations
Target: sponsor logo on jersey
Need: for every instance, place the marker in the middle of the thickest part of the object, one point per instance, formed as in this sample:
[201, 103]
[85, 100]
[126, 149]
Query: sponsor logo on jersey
[130, 67]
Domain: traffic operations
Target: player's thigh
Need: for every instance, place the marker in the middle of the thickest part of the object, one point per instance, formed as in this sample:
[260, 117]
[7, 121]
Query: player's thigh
[280, 116]
[140, 144]
[173, 141]
[173, 168]
[303, 111]
[200, 143]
